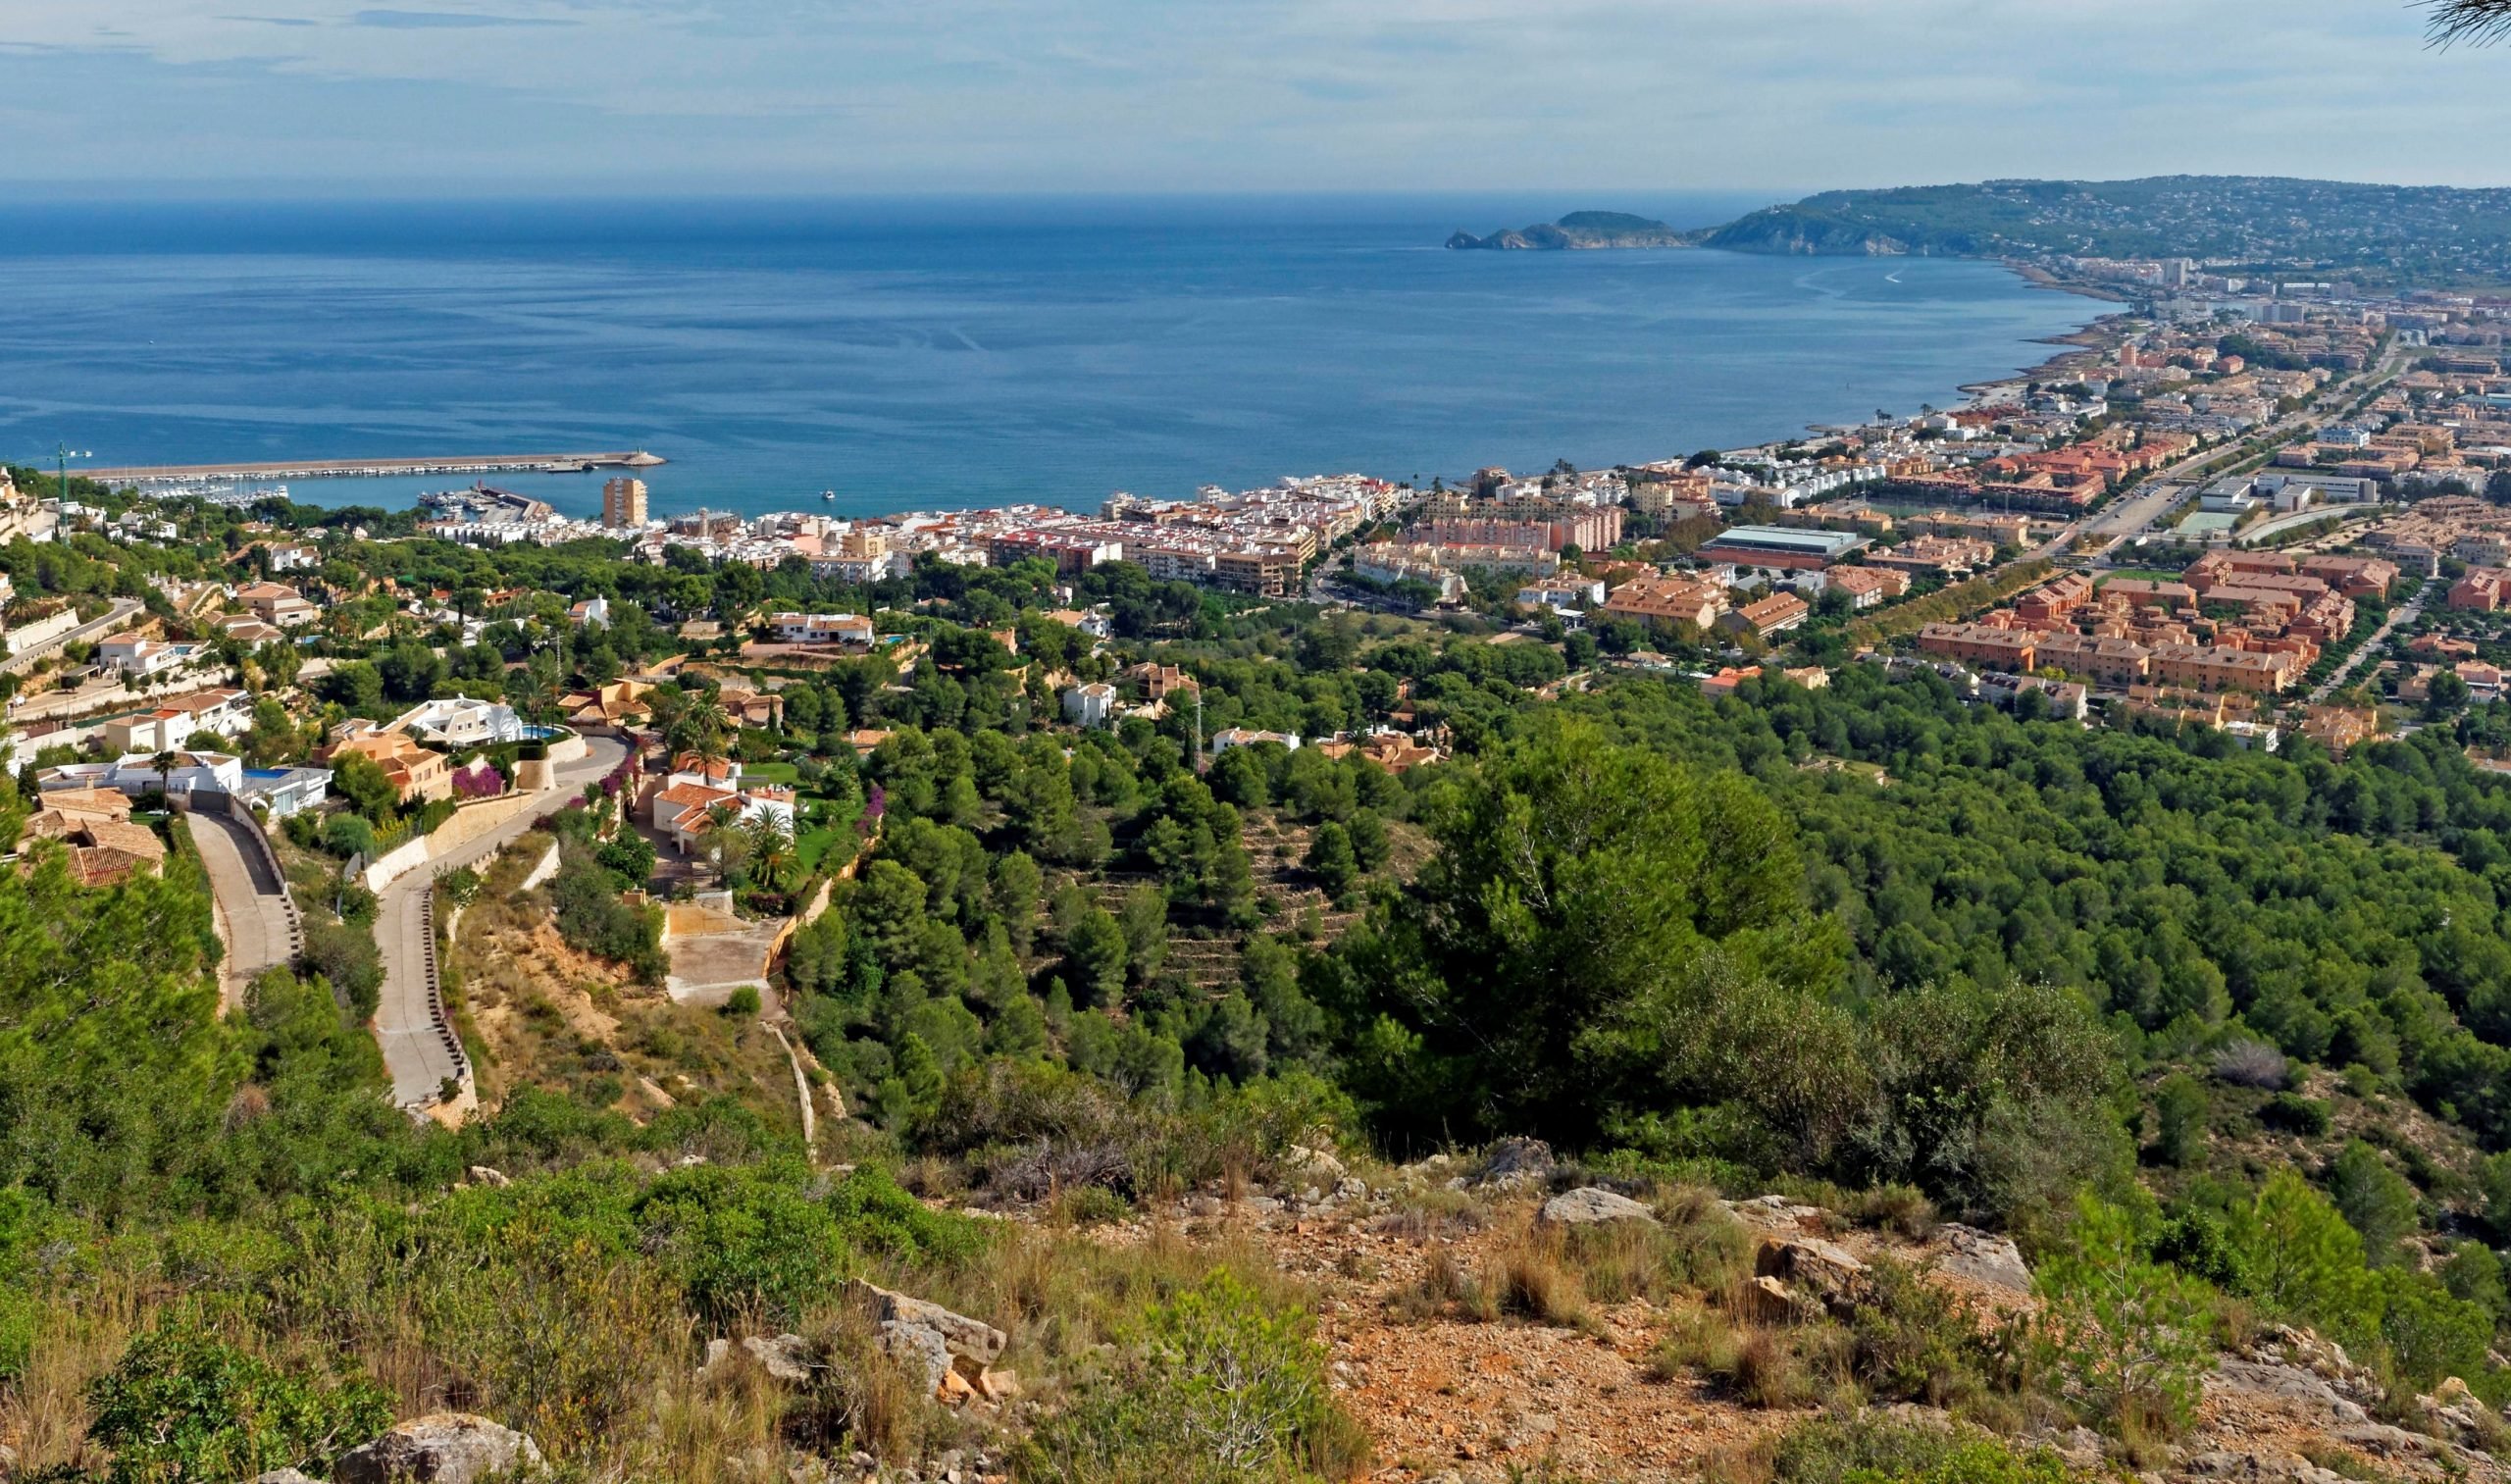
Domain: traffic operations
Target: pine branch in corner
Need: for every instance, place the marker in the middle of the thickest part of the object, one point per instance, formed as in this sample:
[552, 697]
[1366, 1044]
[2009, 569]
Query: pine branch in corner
[2479, 22]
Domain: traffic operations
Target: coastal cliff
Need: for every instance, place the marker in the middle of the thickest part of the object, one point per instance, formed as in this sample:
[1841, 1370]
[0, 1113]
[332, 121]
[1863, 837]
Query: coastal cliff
[1576, 230]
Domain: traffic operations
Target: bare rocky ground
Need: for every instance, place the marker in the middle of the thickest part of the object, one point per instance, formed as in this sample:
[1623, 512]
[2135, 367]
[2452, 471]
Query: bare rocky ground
[1464, 1401]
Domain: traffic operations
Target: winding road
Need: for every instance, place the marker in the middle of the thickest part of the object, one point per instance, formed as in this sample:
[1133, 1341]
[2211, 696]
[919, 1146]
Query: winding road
[122, 609]
[419, 1052]
[255, 917]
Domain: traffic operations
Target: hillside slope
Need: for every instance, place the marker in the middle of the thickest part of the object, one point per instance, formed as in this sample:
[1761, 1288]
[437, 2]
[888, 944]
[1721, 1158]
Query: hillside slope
[2422, 231]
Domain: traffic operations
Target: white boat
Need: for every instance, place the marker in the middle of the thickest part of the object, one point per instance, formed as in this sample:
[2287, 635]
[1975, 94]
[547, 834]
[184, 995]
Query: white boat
[828, 494]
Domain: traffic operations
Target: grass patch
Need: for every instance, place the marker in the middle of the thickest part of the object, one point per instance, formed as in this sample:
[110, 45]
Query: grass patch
[813, 845]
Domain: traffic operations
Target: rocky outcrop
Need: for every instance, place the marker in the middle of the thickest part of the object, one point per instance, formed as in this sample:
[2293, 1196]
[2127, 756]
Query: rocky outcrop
[2262, 1383]
[2257, 1466]
[441, 1448]
[1580, 230]
[1515, 1164]
[1303, 1167]
[1593, 1205]
[1980, 1258]
[950, 1352]
[784, 1357]
[1813, 1268]
[1768, 1301]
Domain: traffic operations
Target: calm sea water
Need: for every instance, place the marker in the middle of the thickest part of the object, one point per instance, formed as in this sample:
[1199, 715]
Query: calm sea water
[920, 355]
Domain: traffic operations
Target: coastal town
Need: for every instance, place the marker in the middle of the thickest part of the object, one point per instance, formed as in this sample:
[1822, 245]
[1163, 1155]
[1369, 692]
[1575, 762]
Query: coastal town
[2263, 508]
[659, 812]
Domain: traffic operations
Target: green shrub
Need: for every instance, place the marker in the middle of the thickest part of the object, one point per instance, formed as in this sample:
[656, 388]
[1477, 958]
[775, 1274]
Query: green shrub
[873, 1213]
[743, 1240]
[2374, 1200]
[2293, 1113]
[593, 919]
[1913, 1342]
[2180, 1112]
[346, 956]
[181, 1406]
[1219, 1390]
[1866, 1449]
[347, 835]
[743, 1000]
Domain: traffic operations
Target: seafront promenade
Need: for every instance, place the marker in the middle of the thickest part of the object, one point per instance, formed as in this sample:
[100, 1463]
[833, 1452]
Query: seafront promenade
[317, 469]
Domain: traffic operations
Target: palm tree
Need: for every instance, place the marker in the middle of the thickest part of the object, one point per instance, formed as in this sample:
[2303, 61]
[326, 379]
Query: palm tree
[722, 818]
[772, 856]
[704, 727]
[163, 763]
[2478, 23]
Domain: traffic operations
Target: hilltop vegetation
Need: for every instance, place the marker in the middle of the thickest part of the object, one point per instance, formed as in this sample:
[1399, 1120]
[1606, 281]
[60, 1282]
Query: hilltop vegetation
[2377, 233]
[2223, 1032]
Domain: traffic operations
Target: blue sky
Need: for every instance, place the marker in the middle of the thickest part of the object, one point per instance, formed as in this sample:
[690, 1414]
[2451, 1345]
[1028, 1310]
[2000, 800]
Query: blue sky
[456, 96]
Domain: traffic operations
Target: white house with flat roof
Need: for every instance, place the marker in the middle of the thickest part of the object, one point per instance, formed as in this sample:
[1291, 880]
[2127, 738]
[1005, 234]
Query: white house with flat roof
[136, 774]
[460, 721]
[1247, 736]
[1091, 705]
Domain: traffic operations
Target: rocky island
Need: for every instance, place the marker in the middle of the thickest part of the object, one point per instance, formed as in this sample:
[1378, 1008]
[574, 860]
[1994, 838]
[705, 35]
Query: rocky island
[1578, 229]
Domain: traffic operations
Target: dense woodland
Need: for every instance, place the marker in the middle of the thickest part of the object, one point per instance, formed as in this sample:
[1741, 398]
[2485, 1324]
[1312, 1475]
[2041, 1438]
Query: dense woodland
[2239, 1020]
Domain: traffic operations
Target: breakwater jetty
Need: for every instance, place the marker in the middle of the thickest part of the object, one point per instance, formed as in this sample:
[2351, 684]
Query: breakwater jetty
[326, 469]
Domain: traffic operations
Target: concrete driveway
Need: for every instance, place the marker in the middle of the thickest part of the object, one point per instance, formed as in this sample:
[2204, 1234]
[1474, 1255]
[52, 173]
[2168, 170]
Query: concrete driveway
[420, 1050]
[254, 917]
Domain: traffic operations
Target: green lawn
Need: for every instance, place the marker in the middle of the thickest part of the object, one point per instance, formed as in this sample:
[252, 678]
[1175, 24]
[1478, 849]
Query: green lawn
[813, 844]
[771, 773]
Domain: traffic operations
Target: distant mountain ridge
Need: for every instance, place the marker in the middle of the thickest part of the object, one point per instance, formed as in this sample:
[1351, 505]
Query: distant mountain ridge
[2432, 235]
[1578, 229]
[2435, 234]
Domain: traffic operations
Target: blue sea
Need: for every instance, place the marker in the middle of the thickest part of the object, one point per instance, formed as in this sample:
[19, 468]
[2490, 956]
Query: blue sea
[936, 353]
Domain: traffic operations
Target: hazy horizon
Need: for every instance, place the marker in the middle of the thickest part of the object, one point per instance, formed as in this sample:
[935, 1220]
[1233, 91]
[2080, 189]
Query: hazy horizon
[486, 98]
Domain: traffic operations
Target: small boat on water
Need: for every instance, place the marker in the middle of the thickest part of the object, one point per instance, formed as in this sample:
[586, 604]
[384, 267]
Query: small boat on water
[828, 494]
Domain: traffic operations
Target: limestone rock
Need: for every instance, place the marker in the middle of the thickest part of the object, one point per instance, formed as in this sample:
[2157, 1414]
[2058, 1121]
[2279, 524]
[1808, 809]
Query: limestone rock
[2256, 1382]
[1773, 1211]
[784, 1357]
[1516, 1163]
[1975, 1254]
[286, 1476]
[1302, 1165]
[1593, 1205]
[481, 1174]
[2388, 1442]
[1814, 1266]
[968, 1339]
[922, 1351]
[2263, 1468]
[999, 1385]
[441, 1448]
[946, 1350]
[1768, 1301]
